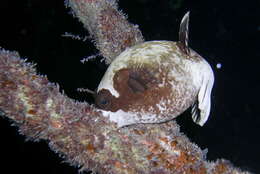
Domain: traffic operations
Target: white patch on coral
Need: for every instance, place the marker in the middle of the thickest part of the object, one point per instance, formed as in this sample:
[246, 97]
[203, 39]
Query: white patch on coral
[49, 103]
[169, 148]
[25, 100]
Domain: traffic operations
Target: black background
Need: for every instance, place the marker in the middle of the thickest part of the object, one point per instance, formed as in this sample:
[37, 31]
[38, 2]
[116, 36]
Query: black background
[225, 32]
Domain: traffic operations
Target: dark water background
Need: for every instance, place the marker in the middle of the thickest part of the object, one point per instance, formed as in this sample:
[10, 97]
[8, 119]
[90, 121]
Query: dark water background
[225, 32]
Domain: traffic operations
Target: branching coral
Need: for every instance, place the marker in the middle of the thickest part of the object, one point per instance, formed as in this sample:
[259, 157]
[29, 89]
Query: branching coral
[78, 131]
[108, 27]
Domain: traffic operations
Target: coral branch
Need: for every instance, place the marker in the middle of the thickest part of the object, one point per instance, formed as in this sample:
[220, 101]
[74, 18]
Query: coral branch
[78, 131]
[108, 27]
[85, 137]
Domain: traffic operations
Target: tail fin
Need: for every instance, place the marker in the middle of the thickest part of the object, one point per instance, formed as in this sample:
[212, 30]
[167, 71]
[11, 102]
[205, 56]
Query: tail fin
[201, 108]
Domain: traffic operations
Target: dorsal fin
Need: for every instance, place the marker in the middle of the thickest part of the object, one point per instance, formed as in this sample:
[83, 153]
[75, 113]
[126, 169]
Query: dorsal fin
[184, 33]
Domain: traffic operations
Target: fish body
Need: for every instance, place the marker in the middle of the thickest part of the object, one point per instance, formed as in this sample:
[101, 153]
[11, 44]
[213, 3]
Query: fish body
[156, 81]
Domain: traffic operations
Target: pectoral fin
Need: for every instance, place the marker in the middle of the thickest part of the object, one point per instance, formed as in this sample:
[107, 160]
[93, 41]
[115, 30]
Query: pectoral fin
[135, 85]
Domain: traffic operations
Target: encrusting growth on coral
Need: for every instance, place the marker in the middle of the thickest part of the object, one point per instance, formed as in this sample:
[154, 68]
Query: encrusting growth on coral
[80, 133]
[86, 138]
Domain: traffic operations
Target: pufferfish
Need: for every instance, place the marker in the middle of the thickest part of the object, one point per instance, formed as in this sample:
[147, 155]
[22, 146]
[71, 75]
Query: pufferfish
[156, 81]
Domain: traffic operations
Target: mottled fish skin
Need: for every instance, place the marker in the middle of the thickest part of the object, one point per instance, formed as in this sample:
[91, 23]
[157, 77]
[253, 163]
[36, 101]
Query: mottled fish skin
[156, 81]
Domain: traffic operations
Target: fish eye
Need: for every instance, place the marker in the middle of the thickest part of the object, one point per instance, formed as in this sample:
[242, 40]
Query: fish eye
[104, 102]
